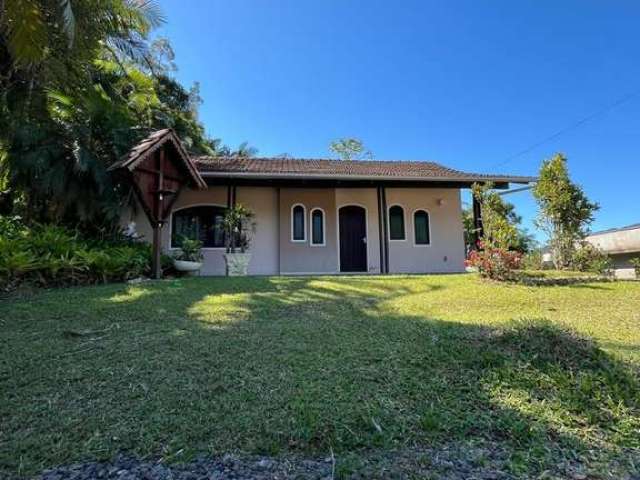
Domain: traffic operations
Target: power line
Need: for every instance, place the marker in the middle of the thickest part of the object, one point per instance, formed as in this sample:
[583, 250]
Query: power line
[573, 126]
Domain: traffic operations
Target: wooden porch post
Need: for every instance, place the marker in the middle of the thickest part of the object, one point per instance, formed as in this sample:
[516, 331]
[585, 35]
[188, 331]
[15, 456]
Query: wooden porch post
[156, 264]
[477, 220]
[156, 267]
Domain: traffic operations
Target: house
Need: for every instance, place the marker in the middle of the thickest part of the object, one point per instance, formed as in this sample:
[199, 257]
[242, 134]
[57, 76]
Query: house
[621, 244]
[313, 216]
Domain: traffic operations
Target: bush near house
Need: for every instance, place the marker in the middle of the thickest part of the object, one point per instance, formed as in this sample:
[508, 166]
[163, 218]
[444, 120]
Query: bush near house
[532, 260]
[636, 266]
[496, 257]
[49, 255]
[588, 258]
[495, 263]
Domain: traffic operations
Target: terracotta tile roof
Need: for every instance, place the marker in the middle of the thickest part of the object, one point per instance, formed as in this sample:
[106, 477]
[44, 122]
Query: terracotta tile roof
[352, 169]
[305, 168]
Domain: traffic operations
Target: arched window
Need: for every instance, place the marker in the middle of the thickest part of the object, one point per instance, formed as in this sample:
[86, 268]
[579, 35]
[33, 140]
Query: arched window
[317, 227]
[202, 223]
[396, 223]
[297, 223]
[421, 227]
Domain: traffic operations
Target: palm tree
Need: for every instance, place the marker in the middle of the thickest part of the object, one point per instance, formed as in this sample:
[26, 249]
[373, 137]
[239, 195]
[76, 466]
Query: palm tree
[36, 29]
[57, 135]
[245, 151]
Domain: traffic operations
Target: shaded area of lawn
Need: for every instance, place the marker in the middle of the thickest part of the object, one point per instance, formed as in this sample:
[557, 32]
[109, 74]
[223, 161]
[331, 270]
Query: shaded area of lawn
[274, 365]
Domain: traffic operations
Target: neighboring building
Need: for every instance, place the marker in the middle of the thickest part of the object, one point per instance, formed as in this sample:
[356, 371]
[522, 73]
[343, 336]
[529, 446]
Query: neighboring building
[312, 216]
[621, 244]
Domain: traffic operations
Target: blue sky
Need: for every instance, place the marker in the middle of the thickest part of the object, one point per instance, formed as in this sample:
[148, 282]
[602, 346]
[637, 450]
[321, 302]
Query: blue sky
[465, 83]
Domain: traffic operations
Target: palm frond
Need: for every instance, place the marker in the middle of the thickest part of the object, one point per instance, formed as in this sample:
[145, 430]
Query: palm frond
[146, 13]
[135, 49]
[245, 151]
[25, 27]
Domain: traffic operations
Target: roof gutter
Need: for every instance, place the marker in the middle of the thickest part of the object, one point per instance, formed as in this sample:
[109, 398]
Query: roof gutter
[321, 176]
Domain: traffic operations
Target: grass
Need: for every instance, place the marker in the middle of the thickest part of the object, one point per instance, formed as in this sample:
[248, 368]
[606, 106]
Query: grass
[558, 274]
[351, 364]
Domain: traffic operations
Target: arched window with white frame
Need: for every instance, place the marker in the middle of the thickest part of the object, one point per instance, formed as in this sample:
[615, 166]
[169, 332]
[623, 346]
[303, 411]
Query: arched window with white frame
[317, 225]
[298, 229]
[421, 227]
[396, 223]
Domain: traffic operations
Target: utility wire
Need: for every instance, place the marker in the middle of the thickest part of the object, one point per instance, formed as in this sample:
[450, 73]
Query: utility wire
[573, 126]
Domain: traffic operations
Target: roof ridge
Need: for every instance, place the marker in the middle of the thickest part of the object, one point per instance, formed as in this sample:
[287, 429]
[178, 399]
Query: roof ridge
[198, 158]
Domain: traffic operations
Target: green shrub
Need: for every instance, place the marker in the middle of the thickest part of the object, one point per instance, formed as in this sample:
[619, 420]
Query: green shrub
[495, 257]
[495, 263]
[10, 227]
[190, 250]
[532, 261]
[49, 255]
[588, 258]
[15, 260]
[635, 262]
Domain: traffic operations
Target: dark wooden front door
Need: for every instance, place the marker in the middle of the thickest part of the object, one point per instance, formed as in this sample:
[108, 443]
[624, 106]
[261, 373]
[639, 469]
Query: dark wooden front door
[353, 239]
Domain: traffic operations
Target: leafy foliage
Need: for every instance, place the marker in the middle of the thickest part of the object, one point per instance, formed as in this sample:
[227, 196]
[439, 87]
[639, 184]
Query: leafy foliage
[350, 149]
[524, 241]
[495, 259]
[588, 258]
[495, 263]
[80, 84]
[532, 260]
[49, 255]
[238, 224]
[635, 262]
[190, 250]
[564, 210]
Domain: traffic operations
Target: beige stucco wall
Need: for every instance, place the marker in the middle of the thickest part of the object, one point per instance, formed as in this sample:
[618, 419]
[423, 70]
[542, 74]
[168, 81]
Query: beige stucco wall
[446, 251]
[263, 201]
[302, 257]
[274, 252]
[264, 245]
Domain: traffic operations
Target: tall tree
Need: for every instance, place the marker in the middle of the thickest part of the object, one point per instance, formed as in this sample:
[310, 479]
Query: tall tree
[79, 85]
[57, 99]
[565, 212]
[350, 149]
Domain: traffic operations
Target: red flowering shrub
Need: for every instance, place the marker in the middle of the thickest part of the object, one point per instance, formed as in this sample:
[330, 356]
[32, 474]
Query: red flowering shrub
[494, 258]
[495, 263]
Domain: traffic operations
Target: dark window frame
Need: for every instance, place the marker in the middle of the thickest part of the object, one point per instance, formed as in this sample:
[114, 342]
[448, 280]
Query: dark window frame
[218, 236]
[323, 227]
[415, 228]
[303, 228]
[392, 210]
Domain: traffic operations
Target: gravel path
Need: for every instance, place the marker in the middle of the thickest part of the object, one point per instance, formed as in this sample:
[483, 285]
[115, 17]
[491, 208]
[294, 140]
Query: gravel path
[454, 462]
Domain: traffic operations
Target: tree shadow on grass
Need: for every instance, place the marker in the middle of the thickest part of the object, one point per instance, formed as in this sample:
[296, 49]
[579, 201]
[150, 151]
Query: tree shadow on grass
[591, 286]
[309, 364]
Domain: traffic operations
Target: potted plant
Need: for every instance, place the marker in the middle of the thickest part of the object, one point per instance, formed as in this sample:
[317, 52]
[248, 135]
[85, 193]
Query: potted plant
[189, 258]
[238, 224]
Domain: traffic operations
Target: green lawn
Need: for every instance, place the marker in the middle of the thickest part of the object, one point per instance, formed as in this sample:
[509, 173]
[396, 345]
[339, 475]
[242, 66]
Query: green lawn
[309, 365]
